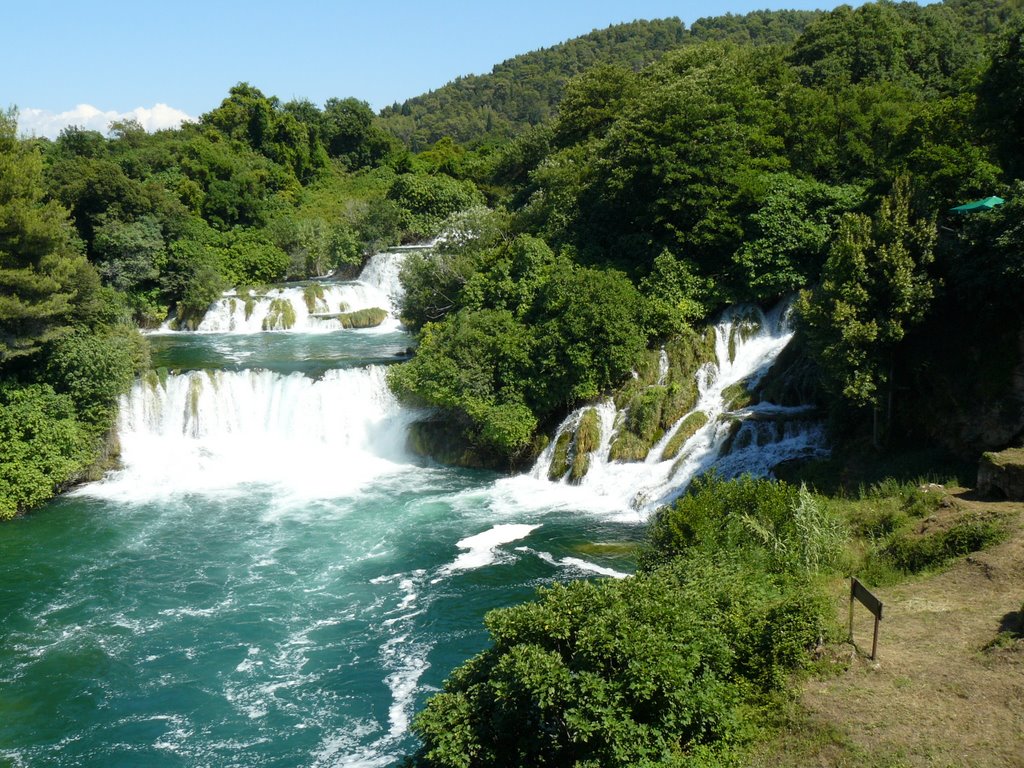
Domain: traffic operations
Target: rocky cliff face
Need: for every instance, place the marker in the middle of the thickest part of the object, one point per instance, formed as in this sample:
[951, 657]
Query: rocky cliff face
[1002, 474]
[964, 390]
[991, 424]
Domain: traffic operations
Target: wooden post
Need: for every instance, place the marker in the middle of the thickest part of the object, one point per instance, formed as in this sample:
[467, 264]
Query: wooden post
[874, 640]
[859, 592]
[849, 637]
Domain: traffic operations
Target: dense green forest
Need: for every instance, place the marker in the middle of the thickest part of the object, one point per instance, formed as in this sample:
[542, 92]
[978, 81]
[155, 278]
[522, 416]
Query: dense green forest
[661, 174]
[725, 173]
[526, 91]
[600, 198]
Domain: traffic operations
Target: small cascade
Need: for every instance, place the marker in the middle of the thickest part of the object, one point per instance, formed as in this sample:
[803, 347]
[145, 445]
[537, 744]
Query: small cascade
[722, 430]
[312, 306]
[215, 430]
[663, 367]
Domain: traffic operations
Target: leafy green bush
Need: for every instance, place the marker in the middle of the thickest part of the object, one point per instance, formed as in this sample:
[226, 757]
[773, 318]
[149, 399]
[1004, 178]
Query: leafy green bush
[645, 670]
[43, 445]
[786, 527]
[913, 554]
[430, 199]
[95, 369]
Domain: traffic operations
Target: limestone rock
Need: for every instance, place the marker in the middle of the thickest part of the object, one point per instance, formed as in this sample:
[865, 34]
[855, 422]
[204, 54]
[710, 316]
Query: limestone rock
[1002, 474]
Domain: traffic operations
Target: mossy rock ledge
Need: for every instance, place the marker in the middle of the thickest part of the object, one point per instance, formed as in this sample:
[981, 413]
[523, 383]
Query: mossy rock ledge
[361, 318]
[1002, 474]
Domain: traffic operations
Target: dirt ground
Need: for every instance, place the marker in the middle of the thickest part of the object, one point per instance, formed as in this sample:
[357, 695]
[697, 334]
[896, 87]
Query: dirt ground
[946, 689]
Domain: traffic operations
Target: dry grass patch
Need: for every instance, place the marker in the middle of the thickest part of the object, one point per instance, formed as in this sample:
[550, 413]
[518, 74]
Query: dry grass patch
[947, 688]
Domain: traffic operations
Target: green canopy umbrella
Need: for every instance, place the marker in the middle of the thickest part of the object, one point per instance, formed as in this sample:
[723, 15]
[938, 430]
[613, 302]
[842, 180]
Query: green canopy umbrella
[978, 205]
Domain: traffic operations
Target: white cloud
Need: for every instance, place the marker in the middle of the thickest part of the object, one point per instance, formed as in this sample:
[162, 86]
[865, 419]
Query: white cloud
[41, 122]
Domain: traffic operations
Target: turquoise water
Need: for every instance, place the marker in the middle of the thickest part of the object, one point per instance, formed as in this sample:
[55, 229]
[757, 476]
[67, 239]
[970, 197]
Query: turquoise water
[270, 580]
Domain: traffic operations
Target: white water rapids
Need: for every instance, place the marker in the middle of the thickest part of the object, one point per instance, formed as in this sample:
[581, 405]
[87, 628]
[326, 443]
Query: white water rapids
[377, 287]
[272, 579]
[763, 435]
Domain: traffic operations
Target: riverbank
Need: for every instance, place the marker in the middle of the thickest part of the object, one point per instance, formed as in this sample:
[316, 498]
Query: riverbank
[947, 687]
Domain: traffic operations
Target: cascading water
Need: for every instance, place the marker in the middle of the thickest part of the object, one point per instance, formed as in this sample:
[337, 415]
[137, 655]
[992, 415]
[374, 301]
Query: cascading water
[313, 306]
[270, 579]
[752, 439]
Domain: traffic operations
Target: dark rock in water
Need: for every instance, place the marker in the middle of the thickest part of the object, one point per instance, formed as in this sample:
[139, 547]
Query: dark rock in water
[444, 440]
[1002, 474]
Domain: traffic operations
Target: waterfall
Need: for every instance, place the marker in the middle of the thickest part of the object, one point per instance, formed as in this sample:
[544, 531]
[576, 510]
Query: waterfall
[736, 440]
[206, 431]
[310, 306]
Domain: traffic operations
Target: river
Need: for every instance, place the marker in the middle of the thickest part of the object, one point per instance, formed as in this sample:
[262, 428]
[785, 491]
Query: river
[271, 579]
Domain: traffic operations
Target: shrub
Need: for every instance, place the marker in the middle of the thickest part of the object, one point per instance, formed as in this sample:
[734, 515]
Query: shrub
[42, 445]
[95, 369]
[620, 673]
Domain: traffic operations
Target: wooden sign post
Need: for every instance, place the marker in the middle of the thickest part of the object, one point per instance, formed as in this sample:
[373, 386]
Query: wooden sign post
[859, 592]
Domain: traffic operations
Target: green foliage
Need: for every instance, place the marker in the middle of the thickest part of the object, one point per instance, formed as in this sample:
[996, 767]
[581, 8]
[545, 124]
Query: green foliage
[569, 333]
[249, 259]
[785, 527]
[676, 295]
[248, 116]
[280, 315]
[352, 135]
[131, 255]
[43, 445]
[874, 287]
[430, 200]
[656, 669]
[94, 369]
[913, 554]
[921, 48]
[786, 241]
[668, 172]
[43, 278]
[589, 334]
[475, 363]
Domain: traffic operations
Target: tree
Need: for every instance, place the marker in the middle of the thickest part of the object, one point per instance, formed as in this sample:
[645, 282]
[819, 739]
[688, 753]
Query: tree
[130, 254]
[668, 173]
[351, 135]
[875, 285]
[43, 276]
[430, 199]
[787, 234]
[1001, 100]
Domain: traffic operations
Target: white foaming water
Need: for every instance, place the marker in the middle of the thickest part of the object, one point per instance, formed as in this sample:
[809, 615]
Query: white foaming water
[481, 549]
[217, 431]
[576, 563]
[334, 446]
[378, 286]
[747, 341]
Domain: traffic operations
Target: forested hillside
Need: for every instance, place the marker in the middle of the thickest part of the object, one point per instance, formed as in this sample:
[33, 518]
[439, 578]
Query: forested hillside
[680, 171]
[726, 173]
[526, 90]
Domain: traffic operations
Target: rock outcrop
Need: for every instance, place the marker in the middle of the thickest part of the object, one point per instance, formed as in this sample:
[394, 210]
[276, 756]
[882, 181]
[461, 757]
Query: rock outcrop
[1002, 474]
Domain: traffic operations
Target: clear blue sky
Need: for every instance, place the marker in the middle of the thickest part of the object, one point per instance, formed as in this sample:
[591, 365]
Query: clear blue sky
[118, 55]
